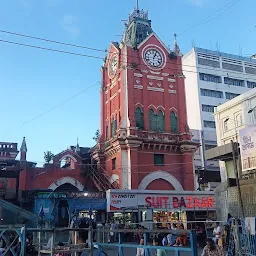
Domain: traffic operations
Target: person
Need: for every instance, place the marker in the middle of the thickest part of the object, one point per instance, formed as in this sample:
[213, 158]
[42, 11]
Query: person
[159, 251]
[229, 220]
[48, 246]
[217, 233]
[223, 238]
[182, 238]
[140, 251]
[211, 249]
[60, 245]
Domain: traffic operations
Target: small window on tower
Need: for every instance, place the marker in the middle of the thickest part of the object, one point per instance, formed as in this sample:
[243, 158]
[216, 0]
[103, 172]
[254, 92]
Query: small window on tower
[158, 159]
[113, 163]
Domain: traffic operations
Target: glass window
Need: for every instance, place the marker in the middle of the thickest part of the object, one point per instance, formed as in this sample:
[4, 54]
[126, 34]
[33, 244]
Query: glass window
[158, 159]
[209, 124]
[160, 121]
[211, 93]
[139, 117]
[235, 82]
[239, 120]
[251, 84]
[113, 163]
[210, 78]
[174, 123]
[225, 125]
[208, 146]
[230, 95]
[208, 108]
[156, 122]
[113, 127]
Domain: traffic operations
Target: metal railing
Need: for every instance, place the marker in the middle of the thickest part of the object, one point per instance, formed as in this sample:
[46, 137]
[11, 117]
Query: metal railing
[15, 241]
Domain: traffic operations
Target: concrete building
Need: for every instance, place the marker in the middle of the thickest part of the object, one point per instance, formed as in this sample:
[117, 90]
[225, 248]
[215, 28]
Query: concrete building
[233, 117]
[212, 78]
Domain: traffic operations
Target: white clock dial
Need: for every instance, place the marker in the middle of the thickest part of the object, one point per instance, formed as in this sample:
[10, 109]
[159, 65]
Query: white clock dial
[153, 58]
[113, 65]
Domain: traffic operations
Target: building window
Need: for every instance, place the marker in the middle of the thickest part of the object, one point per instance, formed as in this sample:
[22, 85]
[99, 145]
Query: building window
[209, 124]
[251, 84]
[156, 122]
[210, 63]
[232, 81]
[113, 127]
[208, 108]
[208, 146]
[210, 78]
[211, 93]
[225, 125]
[239, 120]
[139, 117]
[174, 123]
[113, 163]
[158, 159]
[160, 121]
[230, 95]
[106, 131]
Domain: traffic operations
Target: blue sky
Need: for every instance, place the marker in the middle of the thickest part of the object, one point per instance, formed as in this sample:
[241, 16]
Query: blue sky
[33, 81]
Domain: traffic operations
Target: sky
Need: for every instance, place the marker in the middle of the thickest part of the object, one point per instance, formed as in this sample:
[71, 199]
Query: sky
[39, 88]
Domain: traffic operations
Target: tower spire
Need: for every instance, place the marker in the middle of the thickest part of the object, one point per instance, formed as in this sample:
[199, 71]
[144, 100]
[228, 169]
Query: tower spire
[176, 46]
[23, 150]
[77, 149]
[137, 5]
[23, 147]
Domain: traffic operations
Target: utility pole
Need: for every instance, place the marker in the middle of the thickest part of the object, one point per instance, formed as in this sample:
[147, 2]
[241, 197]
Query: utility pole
[234, 153]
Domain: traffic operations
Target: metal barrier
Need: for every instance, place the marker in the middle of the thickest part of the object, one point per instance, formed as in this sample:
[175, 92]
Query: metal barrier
[242, 241]
[191, 246]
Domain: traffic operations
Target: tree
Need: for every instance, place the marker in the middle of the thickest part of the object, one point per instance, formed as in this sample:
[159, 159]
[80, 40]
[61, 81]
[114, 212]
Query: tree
[97, 135]
[48, 156]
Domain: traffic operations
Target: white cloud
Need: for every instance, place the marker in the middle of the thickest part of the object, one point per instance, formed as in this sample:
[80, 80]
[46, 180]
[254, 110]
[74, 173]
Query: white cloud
[69, 24]
[198, 2]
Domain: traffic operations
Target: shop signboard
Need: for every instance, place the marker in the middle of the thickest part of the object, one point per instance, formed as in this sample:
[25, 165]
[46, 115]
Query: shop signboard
[126, 201]
[248, 147]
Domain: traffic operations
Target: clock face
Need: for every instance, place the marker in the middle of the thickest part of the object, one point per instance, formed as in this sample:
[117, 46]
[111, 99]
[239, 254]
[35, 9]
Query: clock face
[113, 65]
[153, 58]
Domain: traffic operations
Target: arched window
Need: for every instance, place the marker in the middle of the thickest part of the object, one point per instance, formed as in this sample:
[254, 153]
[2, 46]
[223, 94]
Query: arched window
[113, 127]
[174, 122]
[160, 121]
[139, 117]
[152, 120]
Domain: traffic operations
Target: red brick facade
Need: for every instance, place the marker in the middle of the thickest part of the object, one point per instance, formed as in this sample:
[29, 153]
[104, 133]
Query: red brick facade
[127, 154]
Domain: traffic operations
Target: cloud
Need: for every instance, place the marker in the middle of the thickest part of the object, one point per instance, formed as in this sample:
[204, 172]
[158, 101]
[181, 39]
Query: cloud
[198, 2]
[69, 24]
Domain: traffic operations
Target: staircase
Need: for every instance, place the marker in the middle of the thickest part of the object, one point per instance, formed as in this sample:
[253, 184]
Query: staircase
[101, 178]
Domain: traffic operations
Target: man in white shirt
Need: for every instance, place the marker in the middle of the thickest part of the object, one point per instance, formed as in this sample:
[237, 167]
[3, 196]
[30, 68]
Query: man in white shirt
[217, 233]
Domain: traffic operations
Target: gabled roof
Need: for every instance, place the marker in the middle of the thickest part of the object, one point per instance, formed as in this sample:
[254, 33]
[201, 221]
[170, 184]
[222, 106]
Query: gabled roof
[160, 41]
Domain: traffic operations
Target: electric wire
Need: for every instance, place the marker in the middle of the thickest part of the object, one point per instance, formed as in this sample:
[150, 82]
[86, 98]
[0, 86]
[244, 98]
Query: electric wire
[98, 57]
[59, 105]
[209, 18]
[85, 47]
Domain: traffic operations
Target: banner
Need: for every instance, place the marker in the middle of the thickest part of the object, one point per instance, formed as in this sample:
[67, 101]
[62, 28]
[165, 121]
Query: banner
[248, 147]
[118, 201]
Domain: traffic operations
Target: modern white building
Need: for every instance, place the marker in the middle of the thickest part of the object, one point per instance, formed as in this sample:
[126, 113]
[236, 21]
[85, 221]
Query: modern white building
[230, 118]
[212, 78]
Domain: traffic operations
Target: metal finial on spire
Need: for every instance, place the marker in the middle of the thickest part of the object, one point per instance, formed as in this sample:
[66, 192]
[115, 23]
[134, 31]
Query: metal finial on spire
[137, 5]
[77, 149]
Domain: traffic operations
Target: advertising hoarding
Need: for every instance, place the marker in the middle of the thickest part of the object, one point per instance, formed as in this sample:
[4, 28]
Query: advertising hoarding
[118, 201]
[247, 147]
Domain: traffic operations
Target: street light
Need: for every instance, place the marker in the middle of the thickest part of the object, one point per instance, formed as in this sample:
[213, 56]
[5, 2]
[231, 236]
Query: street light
[251, 110]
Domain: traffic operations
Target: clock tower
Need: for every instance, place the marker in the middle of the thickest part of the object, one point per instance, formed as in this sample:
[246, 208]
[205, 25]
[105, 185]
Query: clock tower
[145, 141]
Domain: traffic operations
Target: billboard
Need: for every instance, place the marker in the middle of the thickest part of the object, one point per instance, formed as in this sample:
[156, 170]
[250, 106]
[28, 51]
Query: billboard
[118, 201]
[247, 142]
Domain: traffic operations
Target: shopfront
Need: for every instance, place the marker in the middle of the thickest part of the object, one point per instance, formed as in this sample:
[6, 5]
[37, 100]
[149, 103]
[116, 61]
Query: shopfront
[161, 206]
[59, 206]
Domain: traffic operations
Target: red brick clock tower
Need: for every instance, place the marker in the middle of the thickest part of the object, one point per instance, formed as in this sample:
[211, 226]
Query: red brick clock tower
[145, 141]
